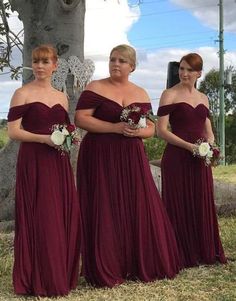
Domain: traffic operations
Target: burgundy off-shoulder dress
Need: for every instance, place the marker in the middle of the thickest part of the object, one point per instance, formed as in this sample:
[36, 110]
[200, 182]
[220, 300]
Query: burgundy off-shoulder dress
[47, 212]
[187, 189]
[126, 230]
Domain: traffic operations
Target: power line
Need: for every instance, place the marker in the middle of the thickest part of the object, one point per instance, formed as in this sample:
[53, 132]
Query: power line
[174, 35]
[168, 44]
[172, 11]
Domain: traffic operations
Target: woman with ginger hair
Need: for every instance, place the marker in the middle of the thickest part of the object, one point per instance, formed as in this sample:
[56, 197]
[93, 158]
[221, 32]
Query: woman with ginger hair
[47, 213]
[187, 183]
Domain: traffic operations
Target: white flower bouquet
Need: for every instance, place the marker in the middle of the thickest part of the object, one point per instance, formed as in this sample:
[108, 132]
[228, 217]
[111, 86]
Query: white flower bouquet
[64, 136]
[210, 153]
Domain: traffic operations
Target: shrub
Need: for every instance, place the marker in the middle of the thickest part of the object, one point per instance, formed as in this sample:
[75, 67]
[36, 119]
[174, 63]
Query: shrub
[154, 147]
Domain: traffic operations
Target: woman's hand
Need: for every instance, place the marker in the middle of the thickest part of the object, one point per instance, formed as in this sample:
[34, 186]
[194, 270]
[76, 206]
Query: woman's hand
[47, 140]
[119, 127]
[125, 129]
[130, 131]
[191, 147]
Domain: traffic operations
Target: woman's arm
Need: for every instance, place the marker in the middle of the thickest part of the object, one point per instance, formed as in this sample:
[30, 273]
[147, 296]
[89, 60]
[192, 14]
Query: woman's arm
[163, 123]
[164, 133]
[85, 120]
[208, 132]
[15, 130]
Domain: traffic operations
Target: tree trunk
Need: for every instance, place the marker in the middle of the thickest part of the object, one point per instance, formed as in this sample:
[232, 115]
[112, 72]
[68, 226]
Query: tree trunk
[56, 22]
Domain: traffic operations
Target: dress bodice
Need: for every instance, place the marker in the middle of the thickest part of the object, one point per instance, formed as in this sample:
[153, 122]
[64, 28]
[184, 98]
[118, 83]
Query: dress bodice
[186, 121]
[39, 118]
[105, 108]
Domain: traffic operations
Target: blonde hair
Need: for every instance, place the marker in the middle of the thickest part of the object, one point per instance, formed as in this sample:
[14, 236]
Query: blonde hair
[128, 52]
[44, 51]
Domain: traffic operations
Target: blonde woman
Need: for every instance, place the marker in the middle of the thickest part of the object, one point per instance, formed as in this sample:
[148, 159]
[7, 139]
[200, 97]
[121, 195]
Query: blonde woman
[127, 234]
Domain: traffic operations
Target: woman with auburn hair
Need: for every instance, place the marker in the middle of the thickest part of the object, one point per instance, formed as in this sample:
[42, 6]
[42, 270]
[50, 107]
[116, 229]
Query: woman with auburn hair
[126, 231]
[187, 184]
[47, 213]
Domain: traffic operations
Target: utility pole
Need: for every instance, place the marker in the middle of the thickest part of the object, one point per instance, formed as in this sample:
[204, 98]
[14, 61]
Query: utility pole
[221, 90]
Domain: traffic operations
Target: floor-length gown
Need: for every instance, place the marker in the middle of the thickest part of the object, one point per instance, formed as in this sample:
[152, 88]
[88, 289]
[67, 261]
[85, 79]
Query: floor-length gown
[47, 212]
[187, 189]
[127, 233]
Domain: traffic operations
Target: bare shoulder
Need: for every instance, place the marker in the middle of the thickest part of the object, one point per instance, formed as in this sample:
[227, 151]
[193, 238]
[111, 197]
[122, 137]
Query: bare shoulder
[95, 85]
[204, 99]
[168, 96]
[61, 97]
[19, 97]
[139, 93]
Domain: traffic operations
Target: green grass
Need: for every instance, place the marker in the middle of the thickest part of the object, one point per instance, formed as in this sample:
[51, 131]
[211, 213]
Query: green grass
[225, 173]
[205, 283]
[3, 137]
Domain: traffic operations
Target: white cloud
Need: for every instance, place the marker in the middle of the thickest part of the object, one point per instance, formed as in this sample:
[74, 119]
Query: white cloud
[207, 11]
[8, 86]
[152, 71]
[107, 24]
[6, 92]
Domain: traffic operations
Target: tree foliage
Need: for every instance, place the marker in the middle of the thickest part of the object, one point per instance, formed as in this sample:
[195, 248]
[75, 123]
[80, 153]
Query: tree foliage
[210, 86]
[230, 134]
[8, 41]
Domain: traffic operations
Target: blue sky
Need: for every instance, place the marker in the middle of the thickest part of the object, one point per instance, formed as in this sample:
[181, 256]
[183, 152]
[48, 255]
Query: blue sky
[161, 31]
[164, 24]
[175, 27]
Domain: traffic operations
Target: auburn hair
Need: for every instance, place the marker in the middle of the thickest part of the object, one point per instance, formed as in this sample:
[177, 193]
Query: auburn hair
[194, 60]
[44, 51]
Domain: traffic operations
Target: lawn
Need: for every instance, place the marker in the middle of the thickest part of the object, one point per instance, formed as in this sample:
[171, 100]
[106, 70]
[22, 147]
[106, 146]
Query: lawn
[204, 283]
[225, 173]
[3, 137]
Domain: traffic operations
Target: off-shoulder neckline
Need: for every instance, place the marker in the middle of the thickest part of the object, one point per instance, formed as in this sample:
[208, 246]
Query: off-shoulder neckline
[41, 103]
[184, 102]
[115, 102]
